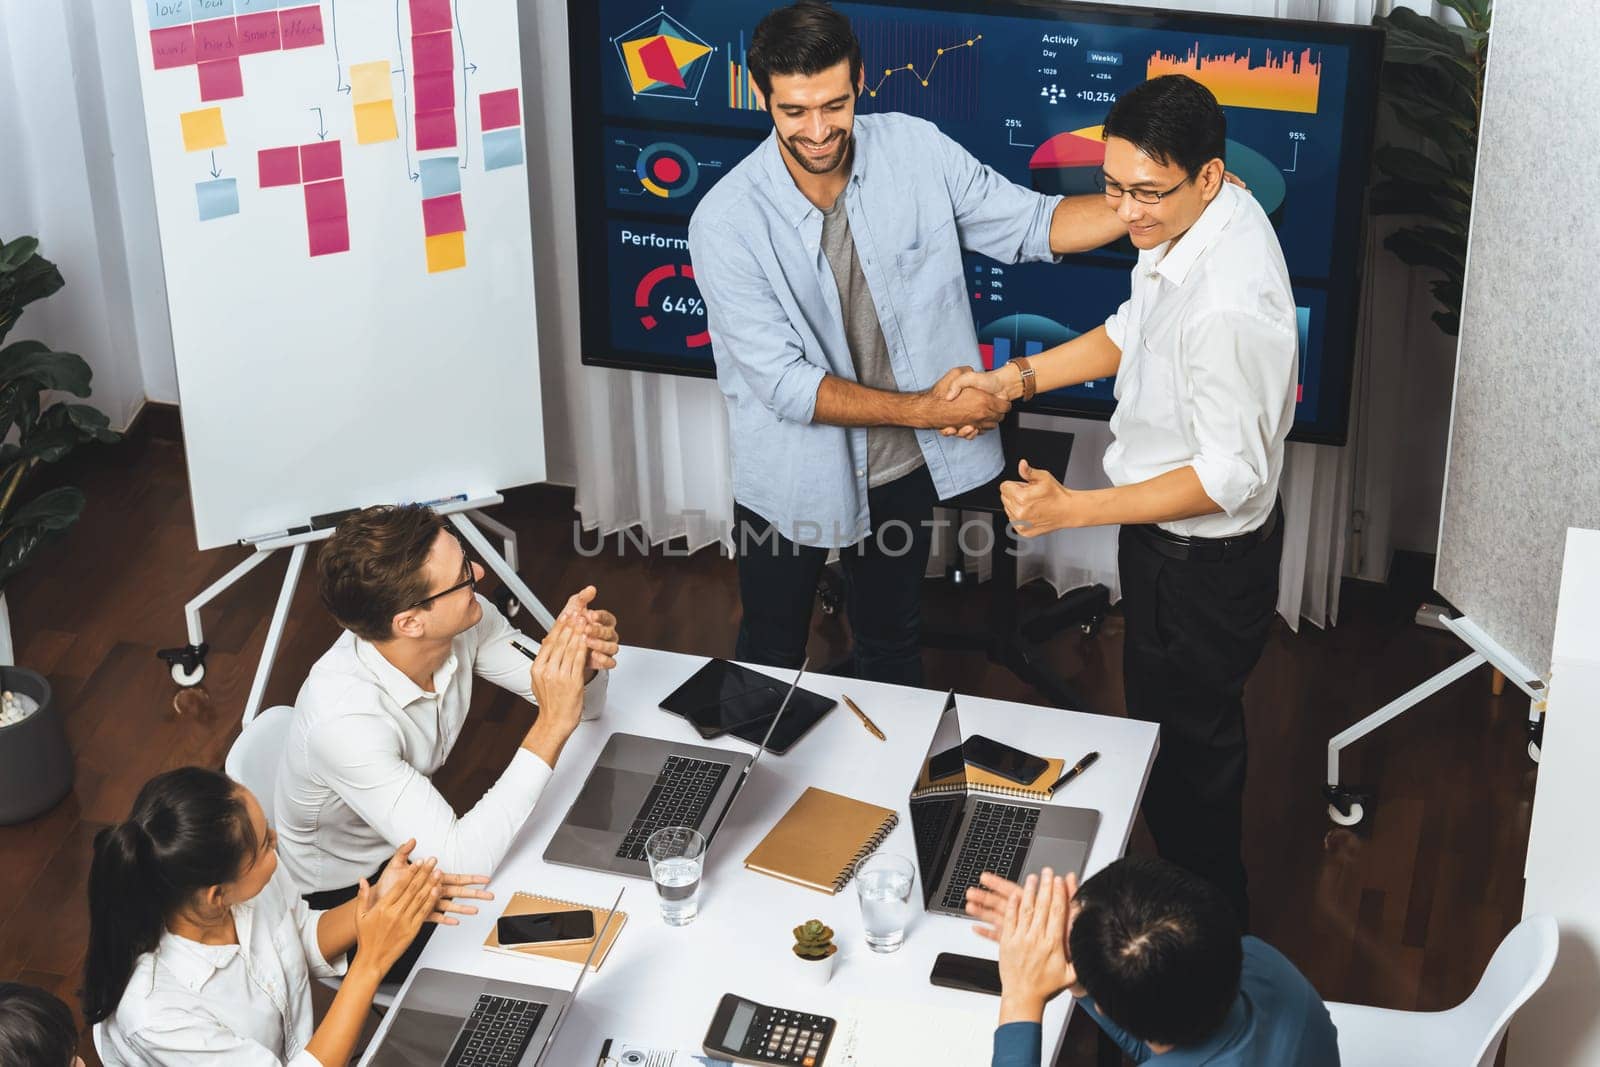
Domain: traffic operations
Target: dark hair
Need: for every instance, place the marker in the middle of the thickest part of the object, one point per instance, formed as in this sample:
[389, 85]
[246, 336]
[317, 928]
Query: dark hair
[371, 569]
[1158, 950]
[806, 37]
[36, 1029]
[189, 830]
[1171, 119]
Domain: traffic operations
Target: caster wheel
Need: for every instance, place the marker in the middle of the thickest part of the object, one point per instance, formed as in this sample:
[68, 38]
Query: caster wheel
[1357, 813]
[1091, 627]
[188, 678]
[513, 608]
[1533, 751]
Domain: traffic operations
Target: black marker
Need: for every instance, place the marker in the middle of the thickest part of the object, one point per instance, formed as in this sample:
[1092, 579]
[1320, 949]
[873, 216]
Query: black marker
[1077, 768]
[524, 649]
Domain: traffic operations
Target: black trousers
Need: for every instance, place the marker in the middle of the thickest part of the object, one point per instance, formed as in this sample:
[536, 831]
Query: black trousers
[1195, 629]
[332, 898]
[884, 574]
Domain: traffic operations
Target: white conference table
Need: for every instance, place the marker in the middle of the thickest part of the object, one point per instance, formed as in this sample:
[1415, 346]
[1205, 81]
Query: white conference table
[662, 983]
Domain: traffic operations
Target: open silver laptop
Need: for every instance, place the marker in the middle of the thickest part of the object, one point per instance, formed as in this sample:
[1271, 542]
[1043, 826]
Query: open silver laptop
[961, 831]
[447, 1019]
[641, 784]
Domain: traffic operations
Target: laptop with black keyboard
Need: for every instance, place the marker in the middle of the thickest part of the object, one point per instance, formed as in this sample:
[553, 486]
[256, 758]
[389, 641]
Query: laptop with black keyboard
[960, 831]
[641, 784]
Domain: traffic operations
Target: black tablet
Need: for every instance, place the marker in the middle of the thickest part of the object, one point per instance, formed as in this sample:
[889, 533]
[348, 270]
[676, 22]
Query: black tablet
[725, 698]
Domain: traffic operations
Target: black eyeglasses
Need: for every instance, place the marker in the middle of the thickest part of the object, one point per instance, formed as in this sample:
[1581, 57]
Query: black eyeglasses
[1113, 191]
[469, 579]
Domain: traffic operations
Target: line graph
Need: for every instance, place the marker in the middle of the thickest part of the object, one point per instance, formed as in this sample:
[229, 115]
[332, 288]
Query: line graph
[926, 69]
[923, 78]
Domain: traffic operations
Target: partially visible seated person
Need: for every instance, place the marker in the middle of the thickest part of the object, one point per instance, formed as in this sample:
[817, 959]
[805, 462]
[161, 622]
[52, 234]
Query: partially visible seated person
[382, 709]
[201, 950]
[1154, 955]
[36, 1029]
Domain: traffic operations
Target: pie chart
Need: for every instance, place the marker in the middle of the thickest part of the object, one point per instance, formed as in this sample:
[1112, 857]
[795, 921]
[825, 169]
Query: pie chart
[666, 170]
[1068, 164]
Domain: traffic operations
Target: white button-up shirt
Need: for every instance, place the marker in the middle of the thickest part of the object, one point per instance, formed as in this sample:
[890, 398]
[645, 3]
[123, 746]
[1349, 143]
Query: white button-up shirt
[1209, 340]
[355, 780]
[246, 1004]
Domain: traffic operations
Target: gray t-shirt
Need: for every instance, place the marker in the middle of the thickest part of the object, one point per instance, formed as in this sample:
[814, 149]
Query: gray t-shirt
[892, 451]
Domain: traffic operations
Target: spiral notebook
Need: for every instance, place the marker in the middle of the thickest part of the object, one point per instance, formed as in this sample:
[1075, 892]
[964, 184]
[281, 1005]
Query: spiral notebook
[820, 839]
[531, 904]
[978, 780]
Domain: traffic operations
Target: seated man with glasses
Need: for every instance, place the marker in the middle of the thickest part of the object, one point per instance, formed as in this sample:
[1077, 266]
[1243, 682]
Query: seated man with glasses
[1204, 351]
[382, 708]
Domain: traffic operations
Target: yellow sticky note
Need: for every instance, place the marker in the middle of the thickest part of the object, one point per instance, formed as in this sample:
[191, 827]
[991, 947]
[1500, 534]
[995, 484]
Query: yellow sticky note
[375, 122]
[202, 130]
[446, 251]
[369, 82]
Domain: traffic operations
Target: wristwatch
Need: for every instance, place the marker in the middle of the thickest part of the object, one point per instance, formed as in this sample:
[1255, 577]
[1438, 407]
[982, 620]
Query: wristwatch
[1029, 384]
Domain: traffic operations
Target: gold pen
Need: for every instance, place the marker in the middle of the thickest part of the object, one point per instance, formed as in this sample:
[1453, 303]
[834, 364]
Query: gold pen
[868, 723]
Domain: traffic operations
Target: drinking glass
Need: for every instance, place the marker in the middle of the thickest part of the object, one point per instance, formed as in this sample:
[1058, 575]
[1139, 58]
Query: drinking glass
[883, 884]
[676, 855]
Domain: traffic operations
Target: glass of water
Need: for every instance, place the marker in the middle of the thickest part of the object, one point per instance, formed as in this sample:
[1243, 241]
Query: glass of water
[676, 855]
[883, 884]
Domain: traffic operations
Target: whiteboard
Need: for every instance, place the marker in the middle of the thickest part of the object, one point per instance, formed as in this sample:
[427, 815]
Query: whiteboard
[1524, 464]
[326, 365]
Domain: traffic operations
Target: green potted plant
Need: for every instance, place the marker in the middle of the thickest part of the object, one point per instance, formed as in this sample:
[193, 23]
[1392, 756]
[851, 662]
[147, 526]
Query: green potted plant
[1432, 85]
[814, 949]
[35, 763]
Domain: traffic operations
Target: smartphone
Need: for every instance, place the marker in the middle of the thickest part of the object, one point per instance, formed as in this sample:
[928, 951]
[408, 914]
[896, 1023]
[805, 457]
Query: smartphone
[546, 928]
[1010, 763]
[946, 764]
[966, 972]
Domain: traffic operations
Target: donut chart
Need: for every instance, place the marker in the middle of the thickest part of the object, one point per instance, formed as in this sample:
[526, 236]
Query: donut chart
[666, 170]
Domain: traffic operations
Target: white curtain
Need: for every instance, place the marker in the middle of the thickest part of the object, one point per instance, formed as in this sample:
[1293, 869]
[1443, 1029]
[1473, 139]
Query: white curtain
[652, 450]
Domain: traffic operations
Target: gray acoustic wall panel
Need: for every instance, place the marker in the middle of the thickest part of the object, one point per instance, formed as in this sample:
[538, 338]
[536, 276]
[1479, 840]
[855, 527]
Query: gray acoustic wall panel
[1525, 431]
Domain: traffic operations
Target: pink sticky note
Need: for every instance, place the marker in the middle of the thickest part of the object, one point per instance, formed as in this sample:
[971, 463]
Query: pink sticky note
[432, 52]
[172, 47]
[434, 92]
[215, 39]
[443, 214]
[321, 160]
[328, 236]
[436, 129]
[221, 80]
[500, 109]
[258, 33]
[301, 27]
[430, 16]
[325, 200]
[278, 166]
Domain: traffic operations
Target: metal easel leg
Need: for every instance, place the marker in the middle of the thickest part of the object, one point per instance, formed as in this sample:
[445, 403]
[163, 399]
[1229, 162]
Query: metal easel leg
[280, 616]
[188, 664]
[508, 536]
[501, 567]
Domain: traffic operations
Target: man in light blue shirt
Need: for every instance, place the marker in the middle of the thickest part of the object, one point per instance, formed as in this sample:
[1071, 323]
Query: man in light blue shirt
[1153, 954]
[830, 262]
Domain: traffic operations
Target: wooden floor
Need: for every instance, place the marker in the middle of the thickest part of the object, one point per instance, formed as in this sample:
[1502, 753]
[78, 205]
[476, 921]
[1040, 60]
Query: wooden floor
[1403, 913]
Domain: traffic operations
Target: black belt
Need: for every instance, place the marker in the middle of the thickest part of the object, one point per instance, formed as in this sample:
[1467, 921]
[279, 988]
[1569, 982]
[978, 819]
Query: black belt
[1209, 549]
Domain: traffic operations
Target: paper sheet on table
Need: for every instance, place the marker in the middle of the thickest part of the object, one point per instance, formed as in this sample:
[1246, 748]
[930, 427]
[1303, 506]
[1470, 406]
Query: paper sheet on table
[896, 1031]
[624, 1052]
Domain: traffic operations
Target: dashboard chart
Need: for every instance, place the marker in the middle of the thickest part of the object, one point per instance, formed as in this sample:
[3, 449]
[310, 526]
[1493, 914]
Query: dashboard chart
[664, 106]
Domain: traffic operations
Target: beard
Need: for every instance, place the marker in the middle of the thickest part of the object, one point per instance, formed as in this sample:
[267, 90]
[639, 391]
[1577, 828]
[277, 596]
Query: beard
[825, 165]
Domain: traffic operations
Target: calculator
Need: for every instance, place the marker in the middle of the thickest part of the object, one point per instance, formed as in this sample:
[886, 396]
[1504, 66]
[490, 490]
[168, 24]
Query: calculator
[743, 1031]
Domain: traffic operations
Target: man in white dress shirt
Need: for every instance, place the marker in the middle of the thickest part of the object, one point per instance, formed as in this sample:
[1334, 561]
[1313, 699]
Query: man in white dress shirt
[382, 708]
[1204, 353]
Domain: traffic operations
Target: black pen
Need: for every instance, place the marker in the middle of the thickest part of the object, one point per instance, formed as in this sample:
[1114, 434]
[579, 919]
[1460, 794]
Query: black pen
[524, 649]
[1077, 768]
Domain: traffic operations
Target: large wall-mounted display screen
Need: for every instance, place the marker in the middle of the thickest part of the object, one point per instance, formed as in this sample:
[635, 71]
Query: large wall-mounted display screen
[663, 106]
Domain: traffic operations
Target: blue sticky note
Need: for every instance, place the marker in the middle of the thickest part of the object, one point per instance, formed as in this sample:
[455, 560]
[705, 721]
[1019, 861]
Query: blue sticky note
[250, 7]
[217, 198]
[164, 13]
[502, 148]
[441, 176]
[210, 9]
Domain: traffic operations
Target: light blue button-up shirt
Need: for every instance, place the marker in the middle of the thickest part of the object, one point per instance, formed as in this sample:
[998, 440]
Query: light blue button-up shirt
[915, 199]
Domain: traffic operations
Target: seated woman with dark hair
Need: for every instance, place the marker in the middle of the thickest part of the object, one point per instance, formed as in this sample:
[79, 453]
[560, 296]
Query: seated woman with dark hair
[201, 950]
[36, 1029]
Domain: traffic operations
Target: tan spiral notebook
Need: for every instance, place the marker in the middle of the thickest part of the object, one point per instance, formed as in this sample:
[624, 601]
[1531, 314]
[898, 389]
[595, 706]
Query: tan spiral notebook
[820, 839]
[529, 904]
[979, 780]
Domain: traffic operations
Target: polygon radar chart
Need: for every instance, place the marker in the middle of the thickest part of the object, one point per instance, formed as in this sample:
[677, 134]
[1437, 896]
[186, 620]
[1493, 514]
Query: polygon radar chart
[663, 59]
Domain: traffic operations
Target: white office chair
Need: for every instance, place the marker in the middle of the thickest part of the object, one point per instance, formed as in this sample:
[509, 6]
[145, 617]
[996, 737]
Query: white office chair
[1467, 1035]
[253, 763]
